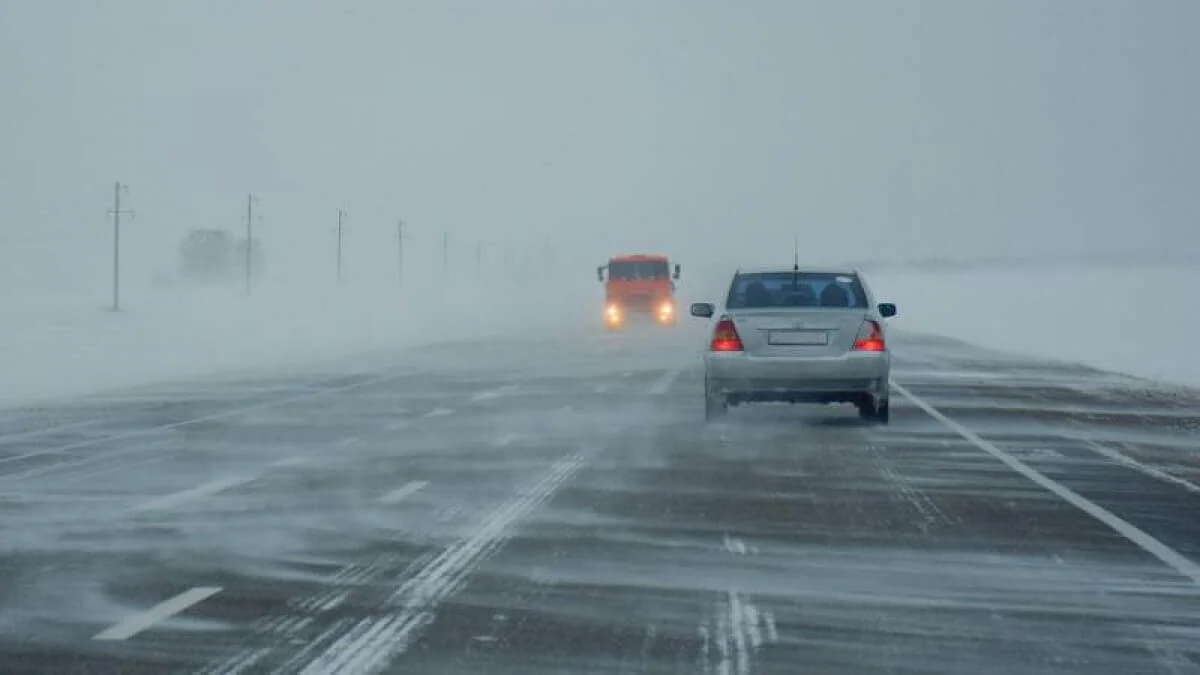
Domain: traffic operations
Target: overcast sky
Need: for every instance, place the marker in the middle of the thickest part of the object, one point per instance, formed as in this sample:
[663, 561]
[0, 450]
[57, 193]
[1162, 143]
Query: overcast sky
[865, 128]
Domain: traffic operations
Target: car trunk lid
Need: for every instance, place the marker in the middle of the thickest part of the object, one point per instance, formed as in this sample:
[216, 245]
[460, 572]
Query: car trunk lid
[798, 332]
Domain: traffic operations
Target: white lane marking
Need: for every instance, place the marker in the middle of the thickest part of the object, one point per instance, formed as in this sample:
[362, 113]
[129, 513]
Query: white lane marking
[1153, 472]
[737, 627]
[490, 394]
[664, 383]
[374, 641]
[403, 491]
[164, 610]
[439, 412]
[348, 441]
[398, 425]
[735, 545]
[505, 440]
[334, 602]
[1121, 526]
[772, 631]
[601, 388]
[176, 498]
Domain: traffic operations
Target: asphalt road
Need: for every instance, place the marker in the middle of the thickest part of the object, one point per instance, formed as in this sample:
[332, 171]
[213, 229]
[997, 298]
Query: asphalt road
[559, 506]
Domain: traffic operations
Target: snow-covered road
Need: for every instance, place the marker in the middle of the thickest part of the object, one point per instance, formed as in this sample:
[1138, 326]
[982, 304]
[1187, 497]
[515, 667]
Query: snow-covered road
[558, 506]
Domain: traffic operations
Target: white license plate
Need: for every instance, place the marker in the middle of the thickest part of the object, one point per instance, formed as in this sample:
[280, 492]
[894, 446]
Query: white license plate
[798, 337]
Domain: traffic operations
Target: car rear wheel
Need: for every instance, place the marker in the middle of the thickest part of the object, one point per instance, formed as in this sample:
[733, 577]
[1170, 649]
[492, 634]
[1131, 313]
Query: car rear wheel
[715, 407]
[873, 411]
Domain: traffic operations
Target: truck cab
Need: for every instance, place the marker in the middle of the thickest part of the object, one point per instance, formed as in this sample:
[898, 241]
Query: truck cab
[638, 287]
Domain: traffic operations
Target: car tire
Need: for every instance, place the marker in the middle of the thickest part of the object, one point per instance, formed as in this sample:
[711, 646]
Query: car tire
[882, 412]
[715, 407]
[866, 408]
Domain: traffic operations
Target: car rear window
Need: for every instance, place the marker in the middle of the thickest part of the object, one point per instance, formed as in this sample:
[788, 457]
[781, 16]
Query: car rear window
[800, 289]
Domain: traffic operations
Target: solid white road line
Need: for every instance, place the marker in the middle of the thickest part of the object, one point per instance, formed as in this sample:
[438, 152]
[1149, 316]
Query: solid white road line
[398, 425]
[175, 499]
[439, 412]
[348, 441]
[164, 610]
[403, 491]
[1121, 526]
[664, 383]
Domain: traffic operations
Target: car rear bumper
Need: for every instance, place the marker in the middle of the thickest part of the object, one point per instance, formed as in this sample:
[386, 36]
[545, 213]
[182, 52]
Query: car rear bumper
[739, 377]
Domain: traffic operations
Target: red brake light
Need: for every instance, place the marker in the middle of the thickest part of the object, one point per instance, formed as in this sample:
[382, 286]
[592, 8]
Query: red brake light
[870, 338]
[725, 337]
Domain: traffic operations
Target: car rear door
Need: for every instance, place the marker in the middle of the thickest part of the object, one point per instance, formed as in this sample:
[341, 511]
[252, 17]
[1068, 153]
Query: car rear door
[798, 331]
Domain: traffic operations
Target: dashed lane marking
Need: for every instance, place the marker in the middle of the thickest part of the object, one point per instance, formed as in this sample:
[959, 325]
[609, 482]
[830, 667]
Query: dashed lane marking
[395, 496]
[1153, 472]
[490, 394]
[176, 498]
[505, 440]
[160, 612]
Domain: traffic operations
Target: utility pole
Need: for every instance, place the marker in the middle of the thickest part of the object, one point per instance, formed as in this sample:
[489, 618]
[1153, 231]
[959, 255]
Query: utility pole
[400, 251]
[249, 236]
[479, 253]
[445, 251]
[341, 214]
[116, 213]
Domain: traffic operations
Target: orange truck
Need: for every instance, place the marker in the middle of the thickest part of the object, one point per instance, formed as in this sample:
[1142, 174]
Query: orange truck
[638, 286]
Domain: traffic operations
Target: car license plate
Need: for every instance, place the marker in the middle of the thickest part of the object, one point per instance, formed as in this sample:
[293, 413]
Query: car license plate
[798, 337]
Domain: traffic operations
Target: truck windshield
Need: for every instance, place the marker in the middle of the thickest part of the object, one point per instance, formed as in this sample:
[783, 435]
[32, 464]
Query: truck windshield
[638, 270]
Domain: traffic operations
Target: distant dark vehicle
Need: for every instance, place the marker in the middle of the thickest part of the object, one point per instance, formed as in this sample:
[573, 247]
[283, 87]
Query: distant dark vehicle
[215, 256]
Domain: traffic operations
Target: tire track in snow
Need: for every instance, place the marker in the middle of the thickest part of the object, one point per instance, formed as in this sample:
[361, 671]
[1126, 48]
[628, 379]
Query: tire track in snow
[278, 631]
[371, 643]
[739, 629]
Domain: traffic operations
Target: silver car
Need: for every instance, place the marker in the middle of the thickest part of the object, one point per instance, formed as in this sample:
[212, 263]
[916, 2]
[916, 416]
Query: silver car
[798, 336]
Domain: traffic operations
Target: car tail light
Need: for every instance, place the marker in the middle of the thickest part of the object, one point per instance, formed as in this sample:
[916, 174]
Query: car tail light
[870, 338]
[725, 337]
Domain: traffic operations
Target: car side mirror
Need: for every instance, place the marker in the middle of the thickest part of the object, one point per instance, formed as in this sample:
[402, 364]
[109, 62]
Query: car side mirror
[704, 310]
[600, 273]
[677, 268]
[887, 310]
